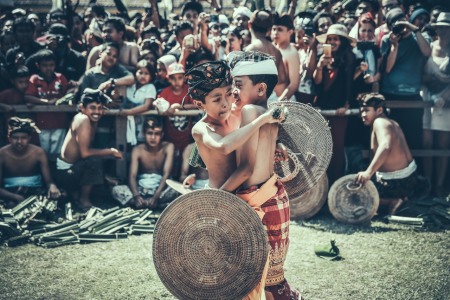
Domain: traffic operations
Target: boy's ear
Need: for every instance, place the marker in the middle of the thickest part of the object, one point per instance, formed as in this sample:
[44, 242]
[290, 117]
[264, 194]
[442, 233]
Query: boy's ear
[262, 88]
[198, 103]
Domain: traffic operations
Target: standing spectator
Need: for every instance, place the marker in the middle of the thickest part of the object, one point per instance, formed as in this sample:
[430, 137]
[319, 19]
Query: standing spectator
[77, 41]
[436, 122]
[190, 12]
[282, 31]
[23, 30]
[421, 18]
[333, 77]
[181, 30]
[386, 6]
[114, 31]
[45, 88]
[404, 53]
[241, 17]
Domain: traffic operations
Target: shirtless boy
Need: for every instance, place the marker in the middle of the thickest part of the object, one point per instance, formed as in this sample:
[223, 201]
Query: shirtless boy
[114, 31]
[79, 167]
[23, 166]
[217, 134]
[151, 165]
[392, 162]
[255, 76]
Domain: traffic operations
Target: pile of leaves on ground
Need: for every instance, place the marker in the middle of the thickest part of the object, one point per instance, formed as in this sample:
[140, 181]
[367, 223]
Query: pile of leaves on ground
[36, 220]
[426, 213]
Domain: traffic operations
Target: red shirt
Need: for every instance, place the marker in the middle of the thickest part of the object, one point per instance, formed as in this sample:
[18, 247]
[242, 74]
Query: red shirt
[177, 128]
[57, 88]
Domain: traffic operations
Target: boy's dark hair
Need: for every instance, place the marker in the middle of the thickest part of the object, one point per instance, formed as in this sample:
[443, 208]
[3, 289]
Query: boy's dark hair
[111, 45]
[152, 123]
[44, 55]
[320, 15]
[146, 64]
[183, 25]
[23, 22]
[99, 10]
[284, 20]
[91, 95]
[151, 30]
[270, 80]
[19, 72]
[374, 100]
[117, 23]
[191, 5]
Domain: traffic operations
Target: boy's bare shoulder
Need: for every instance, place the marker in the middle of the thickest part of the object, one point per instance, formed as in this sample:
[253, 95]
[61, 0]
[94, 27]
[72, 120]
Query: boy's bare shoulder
[252, 111]
[167, 145]
[199, 128]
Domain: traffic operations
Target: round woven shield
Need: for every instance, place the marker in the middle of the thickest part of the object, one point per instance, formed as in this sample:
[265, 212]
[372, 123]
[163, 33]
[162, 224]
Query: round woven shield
[209, 244]
[309, 204]
[307, 138]
[178, 186]
[351, 203]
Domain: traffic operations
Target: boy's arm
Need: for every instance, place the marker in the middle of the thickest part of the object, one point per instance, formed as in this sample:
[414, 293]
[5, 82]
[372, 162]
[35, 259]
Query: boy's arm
[138, 109]
[53, 191]
[185, 162]
[36, 100]
[234, 140]
[83, 134]
[5, 194]
[383, 134]
[167, 169]
[247, 153]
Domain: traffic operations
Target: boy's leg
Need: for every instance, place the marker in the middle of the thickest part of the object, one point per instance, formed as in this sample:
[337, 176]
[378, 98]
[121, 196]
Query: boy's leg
[84, 200]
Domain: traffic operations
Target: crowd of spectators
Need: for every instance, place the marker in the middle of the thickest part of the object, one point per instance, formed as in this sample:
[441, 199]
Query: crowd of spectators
[326, 55]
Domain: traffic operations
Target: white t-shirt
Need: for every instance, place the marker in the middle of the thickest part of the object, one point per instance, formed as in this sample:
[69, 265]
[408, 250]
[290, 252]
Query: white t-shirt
[138, 96]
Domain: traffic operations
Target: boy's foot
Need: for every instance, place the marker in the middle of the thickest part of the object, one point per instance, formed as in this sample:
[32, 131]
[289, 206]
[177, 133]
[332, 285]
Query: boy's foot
[84, 205]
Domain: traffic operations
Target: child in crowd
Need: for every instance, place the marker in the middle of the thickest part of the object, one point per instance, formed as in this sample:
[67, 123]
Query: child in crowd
[23, 166]
[162, 64]
[151, 164]
[79, 168]
[46, 88]
[177, 128]
[139, 99]
[16, 95]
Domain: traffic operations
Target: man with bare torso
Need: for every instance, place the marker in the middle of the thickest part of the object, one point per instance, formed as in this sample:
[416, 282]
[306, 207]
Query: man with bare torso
[259, 24]
[78, 168]
[392, 162]
[113, 31]
[23, 166]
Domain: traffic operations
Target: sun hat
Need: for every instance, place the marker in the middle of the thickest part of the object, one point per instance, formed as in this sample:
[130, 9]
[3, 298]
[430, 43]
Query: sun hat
[443, 20]
[209, 244]
[167, 60]
[242, 10]
[336, 29]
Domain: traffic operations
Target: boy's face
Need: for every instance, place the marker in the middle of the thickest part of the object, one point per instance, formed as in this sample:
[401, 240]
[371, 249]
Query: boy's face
[161, 70]
[110, 34]
[47, 68]
[93, 110]
[281, 34]
[19, 141]
[153, 136]
[366, 32]
[109, 57]
[177, 81]
[218, 102]
[143, 76]
[21, 83]
[369, 114]
[247, 91]
[182, 34]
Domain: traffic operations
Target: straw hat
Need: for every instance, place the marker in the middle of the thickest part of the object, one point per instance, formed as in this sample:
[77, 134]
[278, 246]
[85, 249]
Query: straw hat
[443, 20]
[307, 137]
[209, 244]
[336, 29]
[350, 203]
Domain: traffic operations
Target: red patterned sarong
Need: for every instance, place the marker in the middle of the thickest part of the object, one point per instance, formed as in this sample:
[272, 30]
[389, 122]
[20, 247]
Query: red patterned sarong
[271, 203]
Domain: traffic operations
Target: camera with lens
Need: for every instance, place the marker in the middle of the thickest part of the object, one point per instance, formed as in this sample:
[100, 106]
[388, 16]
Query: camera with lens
[223, 41]
[398, 29]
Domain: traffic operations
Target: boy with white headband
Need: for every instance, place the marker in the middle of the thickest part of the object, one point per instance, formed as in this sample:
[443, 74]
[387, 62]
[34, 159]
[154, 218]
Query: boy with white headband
[255, 76]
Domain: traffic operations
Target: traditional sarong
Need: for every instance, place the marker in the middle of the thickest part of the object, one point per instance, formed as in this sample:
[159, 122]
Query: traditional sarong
[82, 173]
[23, 181]
[271, 203]
[397, 184]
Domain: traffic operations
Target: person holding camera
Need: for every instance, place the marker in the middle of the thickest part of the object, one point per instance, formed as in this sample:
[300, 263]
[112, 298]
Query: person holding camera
[404, 52]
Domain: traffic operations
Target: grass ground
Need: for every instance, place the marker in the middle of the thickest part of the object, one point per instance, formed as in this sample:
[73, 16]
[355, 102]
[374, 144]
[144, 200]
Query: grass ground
[383, 261]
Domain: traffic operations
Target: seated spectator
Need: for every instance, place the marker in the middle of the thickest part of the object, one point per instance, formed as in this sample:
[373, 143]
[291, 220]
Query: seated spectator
[79, 167]
[151, 164]
[404, 52]
[194, 177]
[114, 31]
[177, 128]
[24, 169]
[46, 88]
[392, 162]
[139, 99]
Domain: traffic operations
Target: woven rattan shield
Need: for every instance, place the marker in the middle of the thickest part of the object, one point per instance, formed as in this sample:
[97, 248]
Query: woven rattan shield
[308, 140]
[351, 203]
[209, 244]
[309, 204]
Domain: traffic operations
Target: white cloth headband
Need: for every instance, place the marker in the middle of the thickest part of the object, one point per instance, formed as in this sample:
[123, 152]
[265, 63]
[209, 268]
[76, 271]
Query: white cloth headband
[245, 68]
